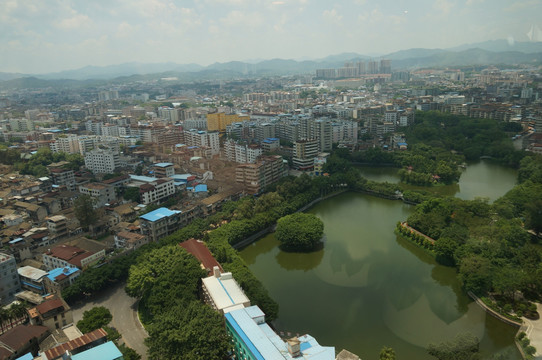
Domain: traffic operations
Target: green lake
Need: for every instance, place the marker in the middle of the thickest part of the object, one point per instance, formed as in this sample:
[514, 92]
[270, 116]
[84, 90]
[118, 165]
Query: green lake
[369, 288]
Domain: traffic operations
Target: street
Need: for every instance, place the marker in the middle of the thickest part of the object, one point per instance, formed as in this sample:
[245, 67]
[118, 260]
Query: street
[124, 311]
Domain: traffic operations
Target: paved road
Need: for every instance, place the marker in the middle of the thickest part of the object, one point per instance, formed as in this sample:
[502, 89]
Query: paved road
[534, 332]
[124, 311]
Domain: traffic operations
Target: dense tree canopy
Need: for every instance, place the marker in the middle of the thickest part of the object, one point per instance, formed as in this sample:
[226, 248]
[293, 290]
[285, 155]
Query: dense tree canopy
[180, 325]
[84, 210]
[299, 232]
[94, 318]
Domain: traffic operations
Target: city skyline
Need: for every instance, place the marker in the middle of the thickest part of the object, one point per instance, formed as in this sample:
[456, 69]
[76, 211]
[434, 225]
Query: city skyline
[53, 36]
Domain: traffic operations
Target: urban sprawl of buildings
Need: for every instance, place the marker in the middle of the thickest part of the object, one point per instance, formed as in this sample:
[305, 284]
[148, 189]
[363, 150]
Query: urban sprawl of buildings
[185, 149]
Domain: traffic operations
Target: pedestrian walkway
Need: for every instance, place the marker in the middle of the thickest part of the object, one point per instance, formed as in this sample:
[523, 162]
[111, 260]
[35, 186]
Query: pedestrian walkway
[534, 332]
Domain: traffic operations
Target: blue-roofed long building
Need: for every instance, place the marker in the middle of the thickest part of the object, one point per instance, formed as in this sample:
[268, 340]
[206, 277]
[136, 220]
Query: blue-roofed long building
[107, 351]
[253, 339]
[160, 222]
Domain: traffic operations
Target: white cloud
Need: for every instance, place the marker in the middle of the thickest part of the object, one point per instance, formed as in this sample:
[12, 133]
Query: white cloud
[443, 6]
[332, 16]
[75, 22]
[124, 30]
[238, 18]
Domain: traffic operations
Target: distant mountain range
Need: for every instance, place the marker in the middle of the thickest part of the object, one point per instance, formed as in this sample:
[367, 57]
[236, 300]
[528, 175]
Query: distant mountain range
[485, 53]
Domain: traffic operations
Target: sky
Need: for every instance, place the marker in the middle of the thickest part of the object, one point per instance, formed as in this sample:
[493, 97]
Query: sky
[53, 35]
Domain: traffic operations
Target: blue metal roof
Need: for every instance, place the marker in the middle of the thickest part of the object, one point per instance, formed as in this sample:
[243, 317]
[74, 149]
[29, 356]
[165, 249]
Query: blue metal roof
[163, 164]
[143, 178]
[230, 319]
[107, 351]
[201, 188]
[26, 357]
[159, 214]
[59, 271]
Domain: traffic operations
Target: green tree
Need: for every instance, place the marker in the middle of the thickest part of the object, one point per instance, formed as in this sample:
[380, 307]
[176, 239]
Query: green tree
[94, 318]
[299, 232]
[475, 274]
[128, 353]
[192, 331]
[131, 193]
[84, 210]
[387, 353]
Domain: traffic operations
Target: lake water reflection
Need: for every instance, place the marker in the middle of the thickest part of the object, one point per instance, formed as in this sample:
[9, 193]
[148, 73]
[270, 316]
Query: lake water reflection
[368, 288]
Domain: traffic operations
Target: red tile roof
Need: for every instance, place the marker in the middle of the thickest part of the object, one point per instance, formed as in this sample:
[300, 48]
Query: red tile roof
[71, 254]
[49, 305]
[198, 249]
[86, 339]
[19, 336]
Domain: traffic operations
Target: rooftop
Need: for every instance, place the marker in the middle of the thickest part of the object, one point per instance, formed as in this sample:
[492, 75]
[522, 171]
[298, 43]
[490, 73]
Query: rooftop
[49, 305]
[264, 343]
[59, 273]
[224, 291]
[159, 214]
[20, 335]
[107, 351]
[76, 343]
[140, 178]
[31, 273]
[198, 249]
[163, 164]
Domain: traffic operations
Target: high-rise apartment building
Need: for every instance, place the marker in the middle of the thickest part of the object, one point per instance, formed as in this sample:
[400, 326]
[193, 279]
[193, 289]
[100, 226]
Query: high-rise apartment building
[102, 160]
[202, 138]
[304, 153]
[218, 121]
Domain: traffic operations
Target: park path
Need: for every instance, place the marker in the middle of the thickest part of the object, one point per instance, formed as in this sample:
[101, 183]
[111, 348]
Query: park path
[534, 332]
[125, 318]
[405, 225]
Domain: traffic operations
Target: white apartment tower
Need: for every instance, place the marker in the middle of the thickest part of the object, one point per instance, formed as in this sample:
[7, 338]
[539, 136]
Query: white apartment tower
[103, 160]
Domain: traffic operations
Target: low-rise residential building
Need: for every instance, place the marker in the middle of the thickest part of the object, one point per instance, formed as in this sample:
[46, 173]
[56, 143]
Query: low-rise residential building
[159, 223]
[77, 345]
[162, 170]
[35, 212]
[153, 190]
[129, 240]
[60, 278]
[70, 256]
[32, 279]
[53, 313]
[101, 193]
[57, 225]
[16, 342]
[9, 279]
[63, 177]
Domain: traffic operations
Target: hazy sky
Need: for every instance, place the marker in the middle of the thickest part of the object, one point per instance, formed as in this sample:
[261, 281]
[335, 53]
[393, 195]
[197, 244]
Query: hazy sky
[52, 35]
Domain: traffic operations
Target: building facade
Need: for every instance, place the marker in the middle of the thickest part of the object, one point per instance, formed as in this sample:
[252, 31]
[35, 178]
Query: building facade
[9, 279]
